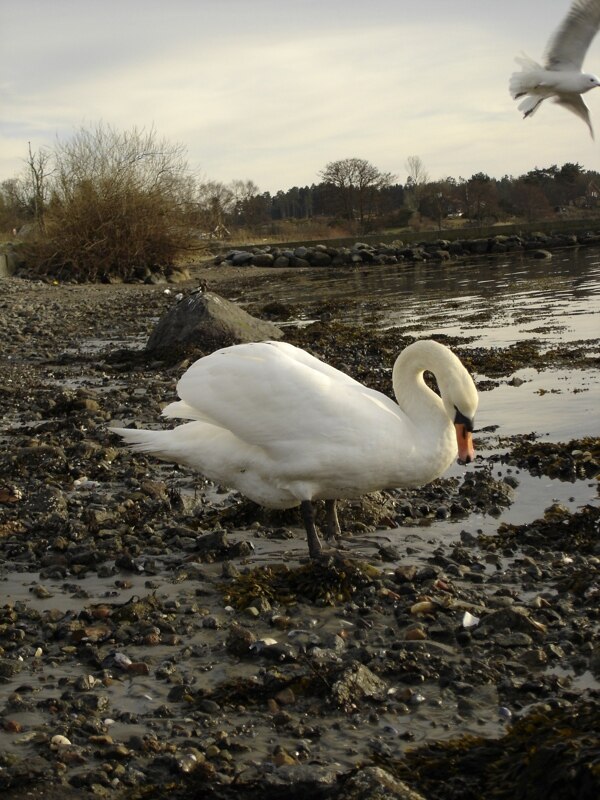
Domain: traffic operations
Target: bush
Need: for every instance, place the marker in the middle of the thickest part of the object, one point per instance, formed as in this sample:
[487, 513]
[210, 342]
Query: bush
[117, 207]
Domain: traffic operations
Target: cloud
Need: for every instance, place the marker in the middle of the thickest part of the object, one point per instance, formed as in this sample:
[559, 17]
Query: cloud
[273, 93]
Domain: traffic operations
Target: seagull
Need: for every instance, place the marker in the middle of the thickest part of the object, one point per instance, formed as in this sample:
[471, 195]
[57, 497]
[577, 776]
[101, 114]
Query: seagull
[561, 77]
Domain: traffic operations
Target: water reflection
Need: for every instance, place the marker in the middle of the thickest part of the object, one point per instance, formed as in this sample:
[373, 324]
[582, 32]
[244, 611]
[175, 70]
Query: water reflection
[496, 301]
[491, 303]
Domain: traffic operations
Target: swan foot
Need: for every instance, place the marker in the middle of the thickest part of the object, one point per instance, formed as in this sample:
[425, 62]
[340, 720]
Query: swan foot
[307, 511]
[332, 530]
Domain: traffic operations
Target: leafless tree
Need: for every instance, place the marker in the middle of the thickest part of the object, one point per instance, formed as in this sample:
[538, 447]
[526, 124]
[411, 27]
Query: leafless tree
[215, 204]
[417, 179]
[355, 182]
[115, 204]
[39, 165]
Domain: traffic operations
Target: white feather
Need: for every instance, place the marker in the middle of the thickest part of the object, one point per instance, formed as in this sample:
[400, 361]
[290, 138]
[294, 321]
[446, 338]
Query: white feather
[281, 426]
[561, 77]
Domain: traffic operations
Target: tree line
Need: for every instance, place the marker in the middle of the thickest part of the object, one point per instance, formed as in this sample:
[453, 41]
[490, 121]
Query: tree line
[110, 202]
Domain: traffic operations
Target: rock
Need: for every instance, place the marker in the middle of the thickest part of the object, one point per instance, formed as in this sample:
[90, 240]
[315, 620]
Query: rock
[319, 259]
[208, 321]
[510, 620]
[262, 260]
[374, 783]
[240, 640]
[296, 261]
[542, 254]
[477, 246]
[356, 683]
[241, 258]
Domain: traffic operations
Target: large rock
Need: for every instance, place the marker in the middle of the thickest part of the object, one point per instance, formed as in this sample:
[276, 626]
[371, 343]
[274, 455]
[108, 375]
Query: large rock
[208, 321]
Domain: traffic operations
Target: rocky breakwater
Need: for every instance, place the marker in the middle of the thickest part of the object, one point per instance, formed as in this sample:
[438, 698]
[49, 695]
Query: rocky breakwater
[539, 245]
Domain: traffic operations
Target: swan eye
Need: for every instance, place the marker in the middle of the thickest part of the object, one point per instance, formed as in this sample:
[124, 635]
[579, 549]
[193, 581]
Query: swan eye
[460, 419]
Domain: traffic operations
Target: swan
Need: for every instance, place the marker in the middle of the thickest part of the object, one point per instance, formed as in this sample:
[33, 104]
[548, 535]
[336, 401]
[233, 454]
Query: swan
[285, 428]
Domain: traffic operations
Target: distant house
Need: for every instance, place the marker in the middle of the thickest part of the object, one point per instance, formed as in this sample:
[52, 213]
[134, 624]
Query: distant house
[591, 198]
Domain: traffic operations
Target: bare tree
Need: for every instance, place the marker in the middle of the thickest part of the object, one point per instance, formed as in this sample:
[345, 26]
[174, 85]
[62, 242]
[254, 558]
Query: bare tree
[39, 171]
[115, 205]
[416, 180]
[215, 205]
[417, 174]
[355, 182]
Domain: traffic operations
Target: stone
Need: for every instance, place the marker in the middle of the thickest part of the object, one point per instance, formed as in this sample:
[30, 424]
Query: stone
[206, 320]
[320, 259]
[262, 260]
[477, 246]
[375, 783]
[241, 258]
[356, 683]
[541, 254]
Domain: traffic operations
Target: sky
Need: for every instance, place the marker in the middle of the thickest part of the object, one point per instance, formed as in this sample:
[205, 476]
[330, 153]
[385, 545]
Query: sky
[273, 90]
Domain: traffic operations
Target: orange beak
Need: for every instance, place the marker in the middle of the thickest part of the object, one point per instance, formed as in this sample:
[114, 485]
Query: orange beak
[464, 439]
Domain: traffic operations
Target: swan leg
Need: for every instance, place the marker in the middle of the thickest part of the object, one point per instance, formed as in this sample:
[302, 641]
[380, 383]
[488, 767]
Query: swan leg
[333, 524]
[308, 517]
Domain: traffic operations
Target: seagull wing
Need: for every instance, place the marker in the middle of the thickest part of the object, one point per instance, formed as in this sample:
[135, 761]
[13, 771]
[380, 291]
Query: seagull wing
[568, 45]
[574, 103]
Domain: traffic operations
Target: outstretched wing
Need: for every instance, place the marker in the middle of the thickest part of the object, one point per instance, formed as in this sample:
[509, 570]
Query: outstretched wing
[574, 103]
[569, 43]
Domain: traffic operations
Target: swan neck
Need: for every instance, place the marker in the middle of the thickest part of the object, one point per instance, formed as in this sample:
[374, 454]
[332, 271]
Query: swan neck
[413, 395]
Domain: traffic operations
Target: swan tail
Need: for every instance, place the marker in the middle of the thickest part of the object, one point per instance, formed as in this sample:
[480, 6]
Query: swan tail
[147, 441]
[182, 410]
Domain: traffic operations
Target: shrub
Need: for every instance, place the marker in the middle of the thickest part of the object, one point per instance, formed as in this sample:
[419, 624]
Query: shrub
[117, 207]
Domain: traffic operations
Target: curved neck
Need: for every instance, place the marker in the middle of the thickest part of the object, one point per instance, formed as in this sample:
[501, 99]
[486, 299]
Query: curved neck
[414, 397]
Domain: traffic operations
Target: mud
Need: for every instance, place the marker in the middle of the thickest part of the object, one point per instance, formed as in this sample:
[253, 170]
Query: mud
[177, 640]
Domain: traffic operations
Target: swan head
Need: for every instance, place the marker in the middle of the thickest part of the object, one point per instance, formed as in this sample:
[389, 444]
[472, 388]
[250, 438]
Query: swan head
[464, 437]
[458, 395]
[460, 400]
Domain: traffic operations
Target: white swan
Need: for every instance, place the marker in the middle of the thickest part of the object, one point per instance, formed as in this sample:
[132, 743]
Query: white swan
[284, 428]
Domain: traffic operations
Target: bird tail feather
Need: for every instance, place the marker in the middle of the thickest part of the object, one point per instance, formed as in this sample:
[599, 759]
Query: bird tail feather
[521, 83]
[530, 105]
[143, 441]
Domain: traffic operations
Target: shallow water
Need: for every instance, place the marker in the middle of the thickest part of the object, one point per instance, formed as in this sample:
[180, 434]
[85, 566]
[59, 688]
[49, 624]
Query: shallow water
[490, 303]
[497, 301]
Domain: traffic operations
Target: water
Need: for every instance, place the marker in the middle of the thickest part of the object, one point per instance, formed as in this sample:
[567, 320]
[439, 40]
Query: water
[497, 302]
[489, 303]
[492, 303]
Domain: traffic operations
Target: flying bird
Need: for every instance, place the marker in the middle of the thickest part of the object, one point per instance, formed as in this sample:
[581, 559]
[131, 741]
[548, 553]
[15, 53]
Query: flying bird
[561, 77]
[285, 428]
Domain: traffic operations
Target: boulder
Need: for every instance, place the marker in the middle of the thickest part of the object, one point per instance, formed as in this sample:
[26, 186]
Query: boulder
[241, 258]
[262, 260]
[320, 259]
[477, 247]
[10, 261]
[205, 320]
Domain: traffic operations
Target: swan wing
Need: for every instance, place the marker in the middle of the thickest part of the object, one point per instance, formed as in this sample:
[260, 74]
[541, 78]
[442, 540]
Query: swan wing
[570, 42]
[273, 396]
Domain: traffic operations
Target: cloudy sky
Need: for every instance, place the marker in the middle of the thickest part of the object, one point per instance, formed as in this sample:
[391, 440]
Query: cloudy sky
[272, 90]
